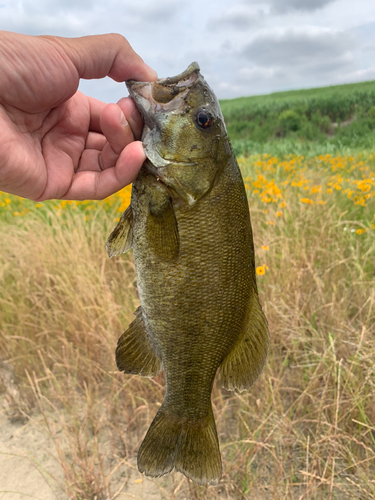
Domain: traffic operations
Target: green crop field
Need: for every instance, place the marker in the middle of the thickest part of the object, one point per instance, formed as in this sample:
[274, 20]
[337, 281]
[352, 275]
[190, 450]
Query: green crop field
[333, 120]
[306, 430]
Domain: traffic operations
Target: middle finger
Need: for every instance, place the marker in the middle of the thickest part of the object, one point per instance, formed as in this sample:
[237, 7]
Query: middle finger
[118, 133]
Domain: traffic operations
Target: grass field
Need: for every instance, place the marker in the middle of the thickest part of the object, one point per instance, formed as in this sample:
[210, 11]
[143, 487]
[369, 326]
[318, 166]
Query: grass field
[306, 430]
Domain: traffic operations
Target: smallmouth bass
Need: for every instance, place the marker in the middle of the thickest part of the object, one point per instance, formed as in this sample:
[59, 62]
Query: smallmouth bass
[189, 226]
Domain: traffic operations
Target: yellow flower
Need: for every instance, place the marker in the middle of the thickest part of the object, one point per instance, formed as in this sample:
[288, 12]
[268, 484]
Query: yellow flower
[279, 214]
[306, 200]
[360, 231]
[265, 247]
[361, 202]
[260, 270]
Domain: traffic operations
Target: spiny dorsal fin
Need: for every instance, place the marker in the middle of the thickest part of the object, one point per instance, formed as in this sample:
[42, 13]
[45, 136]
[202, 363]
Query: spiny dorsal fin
[135, 353]
[246, 360]
[120, 240]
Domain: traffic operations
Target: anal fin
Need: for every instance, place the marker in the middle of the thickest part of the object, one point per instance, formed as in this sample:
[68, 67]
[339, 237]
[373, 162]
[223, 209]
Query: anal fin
[245, 362]
[135, 353]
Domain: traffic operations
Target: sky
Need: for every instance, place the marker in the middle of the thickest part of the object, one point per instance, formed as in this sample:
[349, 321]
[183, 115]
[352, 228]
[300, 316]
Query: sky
[244, 47]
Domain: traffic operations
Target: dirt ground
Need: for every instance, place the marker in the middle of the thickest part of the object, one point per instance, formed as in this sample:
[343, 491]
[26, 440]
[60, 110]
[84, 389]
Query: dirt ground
[29, 468]
[26, 460]
[29, 465]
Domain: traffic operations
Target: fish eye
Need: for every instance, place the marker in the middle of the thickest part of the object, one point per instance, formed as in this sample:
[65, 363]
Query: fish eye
[203, 118]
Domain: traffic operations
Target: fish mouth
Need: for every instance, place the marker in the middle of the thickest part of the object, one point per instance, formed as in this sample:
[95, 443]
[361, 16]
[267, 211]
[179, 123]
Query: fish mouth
[161, 92]
[161, 97]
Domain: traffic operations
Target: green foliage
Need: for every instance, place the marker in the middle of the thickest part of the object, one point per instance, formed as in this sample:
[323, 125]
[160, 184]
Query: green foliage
[289, 121]
[329, 119]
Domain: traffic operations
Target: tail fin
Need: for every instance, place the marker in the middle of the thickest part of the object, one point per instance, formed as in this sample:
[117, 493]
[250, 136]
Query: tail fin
[190, 446]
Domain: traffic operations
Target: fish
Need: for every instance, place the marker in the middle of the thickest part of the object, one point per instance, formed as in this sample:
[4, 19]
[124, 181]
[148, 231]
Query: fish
[189, 226]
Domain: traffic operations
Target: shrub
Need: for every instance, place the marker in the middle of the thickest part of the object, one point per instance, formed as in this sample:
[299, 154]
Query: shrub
[289, 121]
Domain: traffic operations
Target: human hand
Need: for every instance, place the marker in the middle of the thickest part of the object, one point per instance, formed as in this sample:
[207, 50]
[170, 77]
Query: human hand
[55, 142]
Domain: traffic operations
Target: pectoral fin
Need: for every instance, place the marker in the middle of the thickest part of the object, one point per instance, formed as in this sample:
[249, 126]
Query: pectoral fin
[162, 231]
[120, 240]
[135, 353]
[246, 360]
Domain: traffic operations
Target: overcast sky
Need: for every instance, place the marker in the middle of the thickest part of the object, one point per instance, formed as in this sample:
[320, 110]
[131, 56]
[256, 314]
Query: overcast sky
[250, 47]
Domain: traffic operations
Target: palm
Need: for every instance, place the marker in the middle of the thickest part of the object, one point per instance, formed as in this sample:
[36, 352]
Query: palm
[52, 142]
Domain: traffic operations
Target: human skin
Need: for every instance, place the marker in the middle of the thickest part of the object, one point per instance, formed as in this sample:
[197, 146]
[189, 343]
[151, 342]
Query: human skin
[56, 142]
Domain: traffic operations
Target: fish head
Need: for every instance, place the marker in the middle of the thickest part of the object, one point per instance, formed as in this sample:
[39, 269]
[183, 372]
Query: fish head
[184, 135]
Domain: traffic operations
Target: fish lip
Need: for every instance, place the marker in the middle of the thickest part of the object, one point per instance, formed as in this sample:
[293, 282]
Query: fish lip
[192, 69]
[184, 79]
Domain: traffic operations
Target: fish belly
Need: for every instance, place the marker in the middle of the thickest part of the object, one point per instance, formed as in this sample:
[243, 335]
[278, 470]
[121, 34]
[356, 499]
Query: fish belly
[195, 306]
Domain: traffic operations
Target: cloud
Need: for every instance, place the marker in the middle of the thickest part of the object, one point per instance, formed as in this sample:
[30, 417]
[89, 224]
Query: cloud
[291, 58]
[360, 75]
[312, 49]
[236, 18]
[259, 74]
[70, 18]
[156, 12]
[369, 47]
[243, 46]
[286, 6]
[79, 17]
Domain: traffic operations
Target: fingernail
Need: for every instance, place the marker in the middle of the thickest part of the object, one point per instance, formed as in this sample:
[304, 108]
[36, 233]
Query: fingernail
[101, 166]
[123, 120]
[152, 72]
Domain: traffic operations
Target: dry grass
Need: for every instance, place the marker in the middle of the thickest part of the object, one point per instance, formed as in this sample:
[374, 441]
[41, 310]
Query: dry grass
[305, 431]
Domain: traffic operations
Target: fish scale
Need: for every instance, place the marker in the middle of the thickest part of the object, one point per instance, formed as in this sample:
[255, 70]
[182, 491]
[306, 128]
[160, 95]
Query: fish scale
[189, 226]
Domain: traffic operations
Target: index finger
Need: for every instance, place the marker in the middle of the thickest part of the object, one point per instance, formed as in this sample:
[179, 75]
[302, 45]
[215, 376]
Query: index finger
[97, 56]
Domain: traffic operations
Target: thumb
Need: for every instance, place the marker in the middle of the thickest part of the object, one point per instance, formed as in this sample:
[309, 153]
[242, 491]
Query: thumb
[110, 55]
